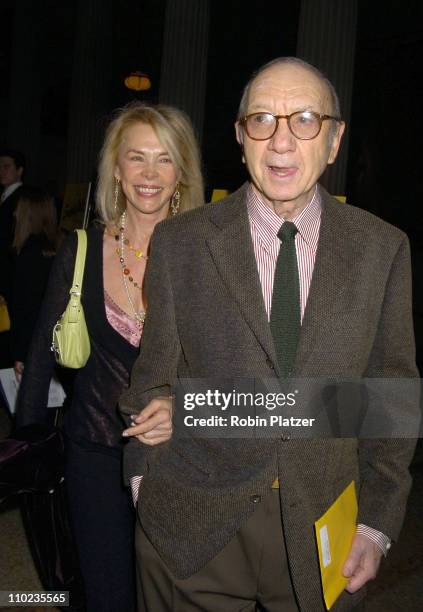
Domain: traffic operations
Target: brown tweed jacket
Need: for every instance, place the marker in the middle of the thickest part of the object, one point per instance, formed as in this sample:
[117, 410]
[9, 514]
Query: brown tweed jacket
[206, 319]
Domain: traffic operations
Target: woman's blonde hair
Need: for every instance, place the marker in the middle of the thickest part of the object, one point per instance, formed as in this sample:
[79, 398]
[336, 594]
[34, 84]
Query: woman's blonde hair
[175, 132]
[36, 215]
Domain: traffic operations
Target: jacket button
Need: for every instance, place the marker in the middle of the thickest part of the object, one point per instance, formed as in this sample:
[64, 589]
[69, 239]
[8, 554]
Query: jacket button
[255, 499]
[269, 362]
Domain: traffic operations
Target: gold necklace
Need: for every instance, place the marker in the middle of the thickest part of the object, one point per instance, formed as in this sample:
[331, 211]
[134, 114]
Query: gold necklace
[137, 252]
[139, 315]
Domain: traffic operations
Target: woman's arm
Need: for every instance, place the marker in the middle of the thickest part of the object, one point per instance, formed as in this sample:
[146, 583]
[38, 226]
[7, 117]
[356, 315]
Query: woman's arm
[156, 367]
[40, 362]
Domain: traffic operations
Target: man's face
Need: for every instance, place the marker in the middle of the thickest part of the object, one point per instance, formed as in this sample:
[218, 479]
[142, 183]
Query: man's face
[284, 170]
[9, 173]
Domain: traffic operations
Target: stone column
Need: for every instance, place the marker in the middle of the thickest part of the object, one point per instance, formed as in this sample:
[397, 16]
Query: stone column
[90, 87]
[326, 39]
[23, 121]
[184, 60]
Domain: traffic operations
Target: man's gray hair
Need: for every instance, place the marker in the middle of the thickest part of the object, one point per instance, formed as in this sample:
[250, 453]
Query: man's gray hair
[295, 61]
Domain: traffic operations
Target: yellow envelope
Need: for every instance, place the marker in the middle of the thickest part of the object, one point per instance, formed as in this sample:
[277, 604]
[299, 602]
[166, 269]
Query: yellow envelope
[334, 534]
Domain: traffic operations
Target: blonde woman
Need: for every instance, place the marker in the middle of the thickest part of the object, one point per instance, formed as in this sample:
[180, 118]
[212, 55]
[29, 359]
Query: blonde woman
[149, 169]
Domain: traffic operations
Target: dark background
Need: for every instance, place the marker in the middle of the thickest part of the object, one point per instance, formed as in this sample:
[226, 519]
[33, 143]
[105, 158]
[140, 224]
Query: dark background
[385, 128]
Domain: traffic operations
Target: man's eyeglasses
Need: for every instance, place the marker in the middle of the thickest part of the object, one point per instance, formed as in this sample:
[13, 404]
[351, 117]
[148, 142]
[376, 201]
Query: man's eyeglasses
[304, 125]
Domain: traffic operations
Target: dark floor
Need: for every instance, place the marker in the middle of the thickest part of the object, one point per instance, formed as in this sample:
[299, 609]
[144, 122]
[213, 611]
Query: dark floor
[398, 587]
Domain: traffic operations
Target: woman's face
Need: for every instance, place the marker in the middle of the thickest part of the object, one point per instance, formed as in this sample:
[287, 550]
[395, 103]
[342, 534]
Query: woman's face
[146, 171]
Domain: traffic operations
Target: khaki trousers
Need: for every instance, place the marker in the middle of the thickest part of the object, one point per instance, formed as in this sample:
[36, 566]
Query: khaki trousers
[250, 573]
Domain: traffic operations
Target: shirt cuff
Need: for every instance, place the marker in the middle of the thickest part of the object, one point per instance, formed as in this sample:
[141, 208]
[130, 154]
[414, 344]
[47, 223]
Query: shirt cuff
[135, 482]
[380, 539]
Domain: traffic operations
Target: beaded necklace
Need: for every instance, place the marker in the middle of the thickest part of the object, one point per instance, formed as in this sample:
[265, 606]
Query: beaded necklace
[137, 252]
[139, 315]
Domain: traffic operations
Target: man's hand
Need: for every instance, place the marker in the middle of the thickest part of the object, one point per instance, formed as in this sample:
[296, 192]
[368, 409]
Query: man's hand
[153, 425]
[362, 563]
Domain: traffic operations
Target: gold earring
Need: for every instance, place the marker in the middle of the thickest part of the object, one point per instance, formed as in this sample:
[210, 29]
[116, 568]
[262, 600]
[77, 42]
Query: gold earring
[117, 185]
[174, 203]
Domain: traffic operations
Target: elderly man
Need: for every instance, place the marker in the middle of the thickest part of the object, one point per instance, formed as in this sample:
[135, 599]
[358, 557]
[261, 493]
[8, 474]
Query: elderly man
[276, 280]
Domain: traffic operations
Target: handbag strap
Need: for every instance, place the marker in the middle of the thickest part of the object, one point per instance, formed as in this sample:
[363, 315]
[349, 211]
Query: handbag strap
[78, 273]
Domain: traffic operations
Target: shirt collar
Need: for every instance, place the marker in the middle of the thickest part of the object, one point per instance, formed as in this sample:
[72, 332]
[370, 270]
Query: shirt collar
[267, 223]
[9, 190]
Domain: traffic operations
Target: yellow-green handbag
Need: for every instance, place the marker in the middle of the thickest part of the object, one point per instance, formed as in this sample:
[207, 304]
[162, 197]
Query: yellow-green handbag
[71, 342]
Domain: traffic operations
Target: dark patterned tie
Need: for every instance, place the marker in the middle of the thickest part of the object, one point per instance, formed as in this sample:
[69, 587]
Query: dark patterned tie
[285, 316]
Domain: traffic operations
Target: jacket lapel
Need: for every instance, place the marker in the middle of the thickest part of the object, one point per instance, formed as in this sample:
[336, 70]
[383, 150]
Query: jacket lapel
[232, 251]
[337, 248]
[233, 254]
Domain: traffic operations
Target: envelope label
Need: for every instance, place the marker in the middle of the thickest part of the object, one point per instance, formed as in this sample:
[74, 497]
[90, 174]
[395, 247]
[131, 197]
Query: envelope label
[324, 541]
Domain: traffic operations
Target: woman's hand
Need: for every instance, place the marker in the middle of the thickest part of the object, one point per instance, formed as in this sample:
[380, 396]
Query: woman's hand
[18, 367]
[153, 425]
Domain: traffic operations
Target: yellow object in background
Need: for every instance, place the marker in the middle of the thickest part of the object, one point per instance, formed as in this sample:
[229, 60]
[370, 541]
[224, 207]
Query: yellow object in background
[342, 199]
[218, 194]
[4, 316]
[335, 531]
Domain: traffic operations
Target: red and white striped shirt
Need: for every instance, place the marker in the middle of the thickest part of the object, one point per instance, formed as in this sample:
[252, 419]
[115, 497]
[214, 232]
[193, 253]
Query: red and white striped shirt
[265, 224]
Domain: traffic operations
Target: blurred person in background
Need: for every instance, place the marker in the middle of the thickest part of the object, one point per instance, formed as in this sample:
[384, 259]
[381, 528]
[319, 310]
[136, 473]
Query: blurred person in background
[34, 244]
[149, 169]
[12, 166]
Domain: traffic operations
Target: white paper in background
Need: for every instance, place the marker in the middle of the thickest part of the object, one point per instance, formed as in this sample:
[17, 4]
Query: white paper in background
[9, 388]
